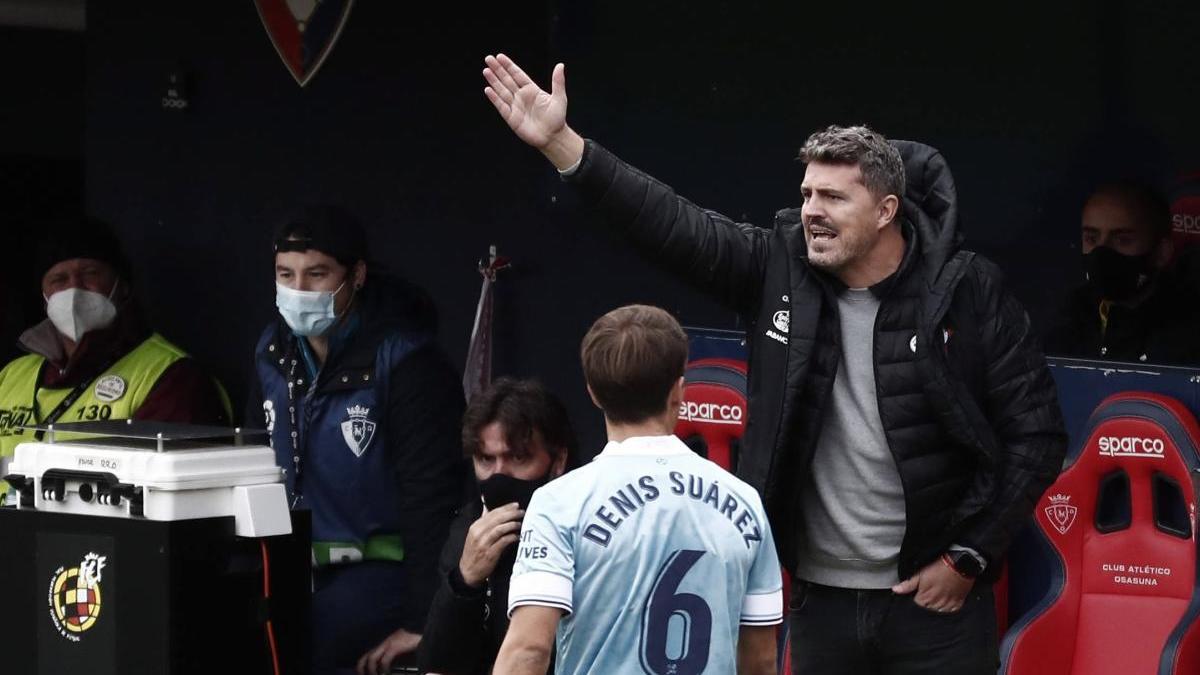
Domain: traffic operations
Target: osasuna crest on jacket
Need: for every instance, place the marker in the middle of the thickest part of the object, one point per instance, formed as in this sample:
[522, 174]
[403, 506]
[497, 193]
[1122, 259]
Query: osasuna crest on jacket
[657, 556]
[323, 437]
[358, 430]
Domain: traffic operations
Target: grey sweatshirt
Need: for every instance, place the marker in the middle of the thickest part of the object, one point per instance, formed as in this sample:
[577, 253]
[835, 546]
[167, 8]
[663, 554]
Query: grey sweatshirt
[853, 500]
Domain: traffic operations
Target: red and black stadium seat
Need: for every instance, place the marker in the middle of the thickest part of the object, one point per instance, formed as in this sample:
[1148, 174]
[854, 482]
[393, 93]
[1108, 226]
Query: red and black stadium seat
[1118, 532]
[1185, 232]
[712, 417]
[1185, 212]
[712, 420]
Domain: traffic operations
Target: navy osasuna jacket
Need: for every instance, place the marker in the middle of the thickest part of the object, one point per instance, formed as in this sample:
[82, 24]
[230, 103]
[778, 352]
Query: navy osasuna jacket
[377, 457]
[967, 403]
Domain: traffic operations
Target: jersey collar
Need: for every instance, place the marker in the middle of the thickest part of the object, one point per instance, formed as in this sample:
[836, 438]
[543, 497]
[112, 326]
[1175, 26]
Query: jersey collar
[645, 446]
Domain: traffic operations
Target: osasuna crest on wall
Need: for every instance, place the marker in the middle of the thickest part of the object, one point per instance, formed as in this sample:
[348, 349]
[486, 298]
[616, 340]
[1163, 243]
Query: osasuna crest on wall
[303, 31]
[1060, 513]
[358, 430]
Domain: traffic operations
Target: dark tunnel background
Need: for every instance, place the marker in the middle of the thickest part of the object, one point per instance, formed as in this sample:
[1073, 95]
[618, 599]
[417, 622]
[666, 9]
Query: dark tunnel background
[1030, 104]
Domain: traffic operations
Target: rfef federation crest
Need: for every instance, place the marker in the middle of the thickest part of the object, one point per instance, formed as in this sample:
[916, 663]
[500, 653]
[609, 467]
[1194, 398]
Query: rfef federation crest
[358, 430]
[1060, 513]
[75, 596]
[303, 31]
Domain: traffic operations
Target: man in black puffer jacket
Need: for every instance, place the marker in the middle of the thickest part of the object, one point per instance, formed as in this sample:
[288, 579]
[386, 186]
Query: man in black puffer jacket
[902, 418]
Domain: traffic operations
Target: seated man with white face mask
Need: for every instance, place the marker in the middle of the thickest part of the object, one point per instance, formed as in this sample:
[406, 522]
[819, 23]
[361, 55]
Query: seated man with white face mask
[363, 411]
[94, 358]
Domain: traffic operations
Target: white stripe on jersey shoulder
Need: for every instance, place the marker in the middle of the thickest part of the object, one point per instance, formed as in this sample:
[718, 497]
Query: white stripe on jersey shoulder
[646, 446]
[762, 609]
[546, 589]
[766, 622]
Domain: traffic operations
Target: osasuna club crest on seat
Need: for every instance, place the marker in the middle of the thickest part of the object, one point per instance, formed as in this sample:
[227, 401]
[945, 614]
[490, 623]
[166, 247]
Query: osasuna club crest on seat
[358, 430]
[1060, 513]
[303, 31]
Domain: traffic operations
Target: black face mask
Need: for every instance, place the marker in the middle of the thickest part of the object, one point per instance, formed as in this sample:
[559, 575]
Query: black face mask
[500, 489]
[1116, 276]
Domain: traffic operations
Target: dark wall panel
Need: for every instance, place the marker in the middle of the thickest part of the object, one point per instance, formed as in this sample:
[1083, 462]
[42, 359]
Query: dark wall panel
[1030, 108]
[41, 157]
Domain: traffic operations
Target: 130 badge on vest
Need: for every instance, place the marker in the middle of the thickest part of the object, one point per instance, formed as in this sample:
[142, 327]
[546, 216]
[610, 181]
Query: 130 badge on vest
[109, 388]
[358, 430]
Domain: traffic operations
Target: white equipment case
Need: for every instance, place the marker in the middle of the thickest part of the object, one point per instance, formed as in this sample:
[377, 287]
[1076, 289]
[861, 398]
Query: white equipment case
[153, 471]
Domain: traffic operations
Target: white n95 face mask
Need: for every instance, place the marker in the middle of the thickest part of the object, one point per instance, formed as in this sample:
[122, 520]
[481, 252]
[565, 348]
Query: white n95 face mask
[76, 311]
[307, 313]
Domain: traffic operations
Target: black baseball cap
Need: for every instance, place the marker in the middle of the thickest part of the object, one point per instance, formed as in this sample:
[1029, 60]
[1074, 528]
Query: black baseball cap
[328, 229]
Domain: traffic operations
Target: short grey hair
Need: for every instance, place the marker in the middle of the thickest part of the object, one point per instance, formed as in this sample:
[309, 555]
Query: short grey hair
[879, 161]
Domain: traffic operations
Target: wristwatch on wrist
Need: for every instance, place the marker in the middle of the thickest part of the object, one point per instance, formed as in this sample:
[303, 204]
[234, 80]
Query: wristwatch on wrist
[963, 562]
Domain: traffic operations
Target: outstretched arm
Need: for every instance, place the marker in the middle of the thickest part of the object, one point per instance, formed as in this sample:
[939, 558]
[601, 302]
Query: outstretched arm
[538, 118]
[721, 257]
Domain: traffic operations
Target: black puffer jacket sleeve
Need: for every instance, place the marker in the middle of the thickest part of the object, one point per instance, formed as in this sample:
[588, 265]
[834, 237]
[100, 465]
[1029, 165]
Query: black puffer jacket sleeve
[457, 639]
[425, 413]
[723, 258]
[1020, 402]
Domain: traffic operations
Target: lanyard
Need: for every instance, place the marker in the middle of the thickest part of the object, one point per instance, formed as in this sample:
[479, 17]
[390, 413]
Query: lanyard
[63, 405]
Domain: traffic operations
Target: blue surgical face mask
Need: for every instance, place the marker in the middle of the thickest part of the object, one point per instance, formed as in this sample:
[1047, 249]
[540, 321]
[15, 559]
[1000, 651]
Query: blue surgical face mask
[307, 313]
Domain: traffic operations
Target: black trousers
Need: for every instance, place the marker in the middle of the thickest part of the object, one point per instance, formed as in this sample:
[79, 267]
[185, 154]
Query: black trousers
[876, 632]
[354, 607]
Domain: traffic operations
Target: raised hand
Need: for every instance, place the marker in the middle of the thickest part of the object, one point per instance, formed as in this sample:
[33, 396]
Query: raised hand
[536, 117]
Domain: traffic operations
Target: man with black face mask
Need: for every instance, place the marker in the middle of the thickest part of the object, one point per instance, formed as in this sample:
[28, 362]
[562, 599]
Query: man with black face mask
[519, 438]
[1130, 307]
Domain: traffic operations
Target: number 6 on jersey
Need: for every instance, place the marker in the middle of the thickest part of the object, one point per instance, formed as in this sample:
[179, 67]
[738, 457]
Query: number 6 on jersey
[676, 627]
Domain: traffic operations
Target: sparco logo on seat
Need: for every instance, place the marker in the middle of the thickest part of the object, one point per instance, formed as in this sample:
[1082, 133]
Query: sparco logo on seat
[1187, 223]
[1129, 446]
[710, 413]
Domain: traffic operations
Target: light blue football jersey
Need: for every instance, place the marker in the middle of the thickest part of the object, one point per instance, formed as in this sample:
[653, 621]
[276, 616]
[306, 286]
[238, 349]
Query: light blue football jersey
[656, 554]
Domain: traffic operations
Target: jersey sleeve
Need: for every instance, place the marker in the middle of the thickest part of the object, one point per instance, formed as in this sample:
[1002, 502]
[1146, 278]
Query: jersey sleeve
[545, 569]
[763, 605]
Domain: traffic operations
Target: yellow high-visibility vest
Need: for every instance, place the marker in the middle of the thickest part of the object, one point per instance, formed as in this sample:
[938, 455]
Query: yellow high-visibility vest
[114, 394]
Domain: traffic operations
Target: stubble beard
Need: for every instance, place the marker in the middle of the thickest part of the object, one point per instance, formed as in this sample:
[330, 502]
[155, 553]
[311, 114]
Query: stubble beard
[847, 247]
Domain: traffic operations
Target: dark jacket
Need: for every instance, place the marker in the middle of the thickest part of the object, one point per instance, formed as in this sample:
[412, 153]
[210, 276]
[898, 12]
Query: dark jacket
[966, 400]
[378, 435]
[465, 627]
[1162, 329]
